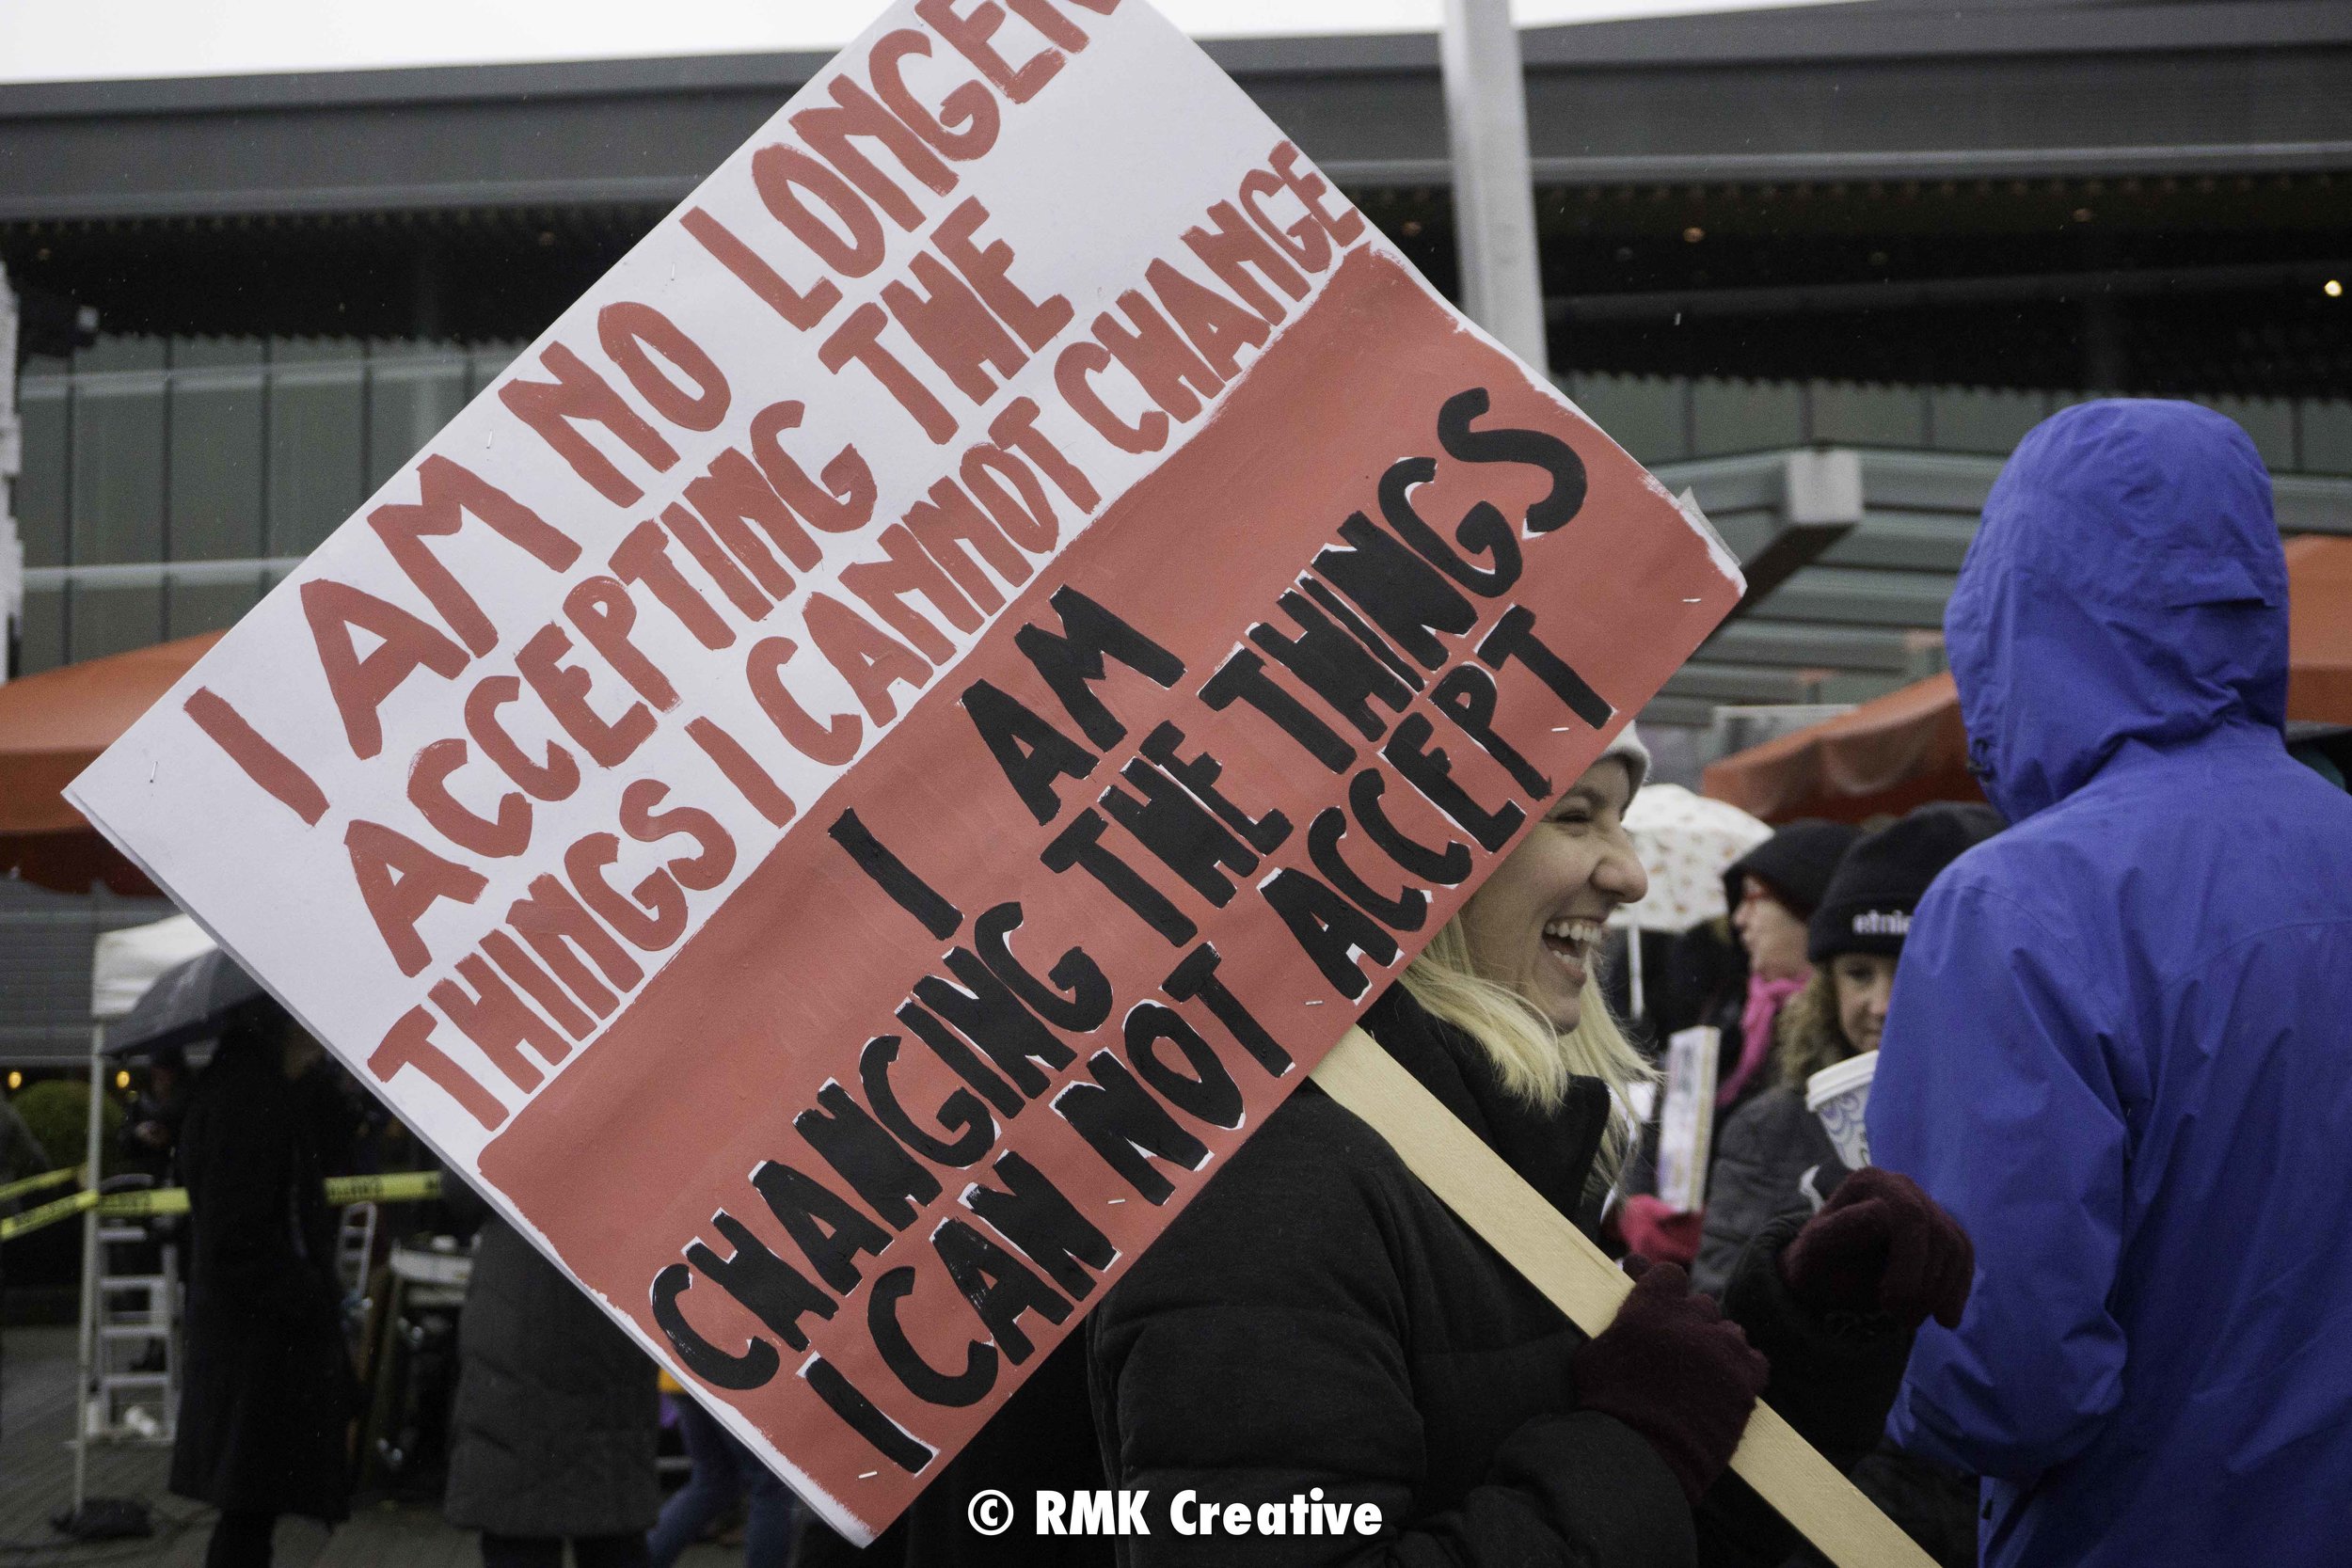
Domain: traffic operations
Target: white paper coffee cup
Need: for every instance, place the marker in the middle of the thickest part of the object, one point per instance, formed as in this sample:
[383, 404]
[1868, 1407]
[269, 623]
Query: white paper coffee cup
[1840, 1095]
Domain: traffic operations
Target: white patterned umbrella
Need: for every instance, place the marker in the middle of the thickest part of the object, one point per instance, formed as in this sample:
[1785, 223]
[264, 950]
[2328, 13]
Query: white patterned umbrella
[1686, 843]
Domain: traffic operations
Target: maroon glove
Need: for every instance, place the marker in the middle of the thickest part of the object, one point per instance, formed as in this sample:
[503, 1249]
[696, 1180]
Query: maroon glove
[1676, 1370]
[1880, 1244]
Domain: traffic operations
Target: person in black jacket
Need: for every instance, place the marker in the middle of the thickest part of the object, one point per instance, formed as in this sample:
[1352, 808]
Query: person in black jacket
[153, 1127]
[556, 1419]
[269, 1395]
[1773, 1157]
[1773, 890]
[1317, 1324]
[1767, 1150]
[1770, 892]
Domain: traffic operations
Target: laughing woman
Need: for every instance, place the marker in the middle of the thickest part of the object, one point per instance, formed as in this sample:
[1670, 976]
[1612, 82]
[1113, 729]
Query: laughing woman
[1317, 1324]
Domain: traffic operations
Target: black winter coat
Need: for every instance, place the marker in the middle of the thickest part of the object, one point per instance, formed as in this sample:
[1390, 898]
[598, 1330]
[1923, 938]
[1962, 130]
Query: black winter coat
[1317, 1318]
[1762, 1153]
[557, 1409]
[1767, 1157]
[269, 1392]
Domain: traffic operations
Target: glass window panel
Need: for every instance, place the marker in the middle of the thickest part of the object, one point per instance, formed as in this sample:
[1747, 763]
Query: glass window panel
[2270, 422]
[116, 492]
[488, 361]
[413, 390]
[1849, 414]
[2326, 445]
[121, 353]
[218, 353]
[316, 412]
[114, 620]
[41, 489]
[1982, 419]
[217, 466]
[1746, 416]
[41, 641]
[1641, 414]
[192, 606]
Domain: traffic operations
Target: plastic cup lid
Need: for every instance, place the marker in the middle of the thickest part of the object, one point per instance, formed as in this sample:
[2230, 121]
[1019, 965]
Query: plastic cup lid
[1843, 1078]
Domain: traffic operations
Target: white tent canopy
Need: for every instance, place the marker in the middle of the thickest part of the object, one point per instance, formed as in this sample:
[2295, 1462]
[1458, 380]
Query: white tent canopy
[123, 964]
[126, 962]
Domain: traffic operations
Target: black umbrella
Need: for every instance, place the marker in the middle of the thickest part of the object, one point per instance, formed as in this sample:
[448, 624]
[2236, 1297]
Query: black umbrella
[191, 1000]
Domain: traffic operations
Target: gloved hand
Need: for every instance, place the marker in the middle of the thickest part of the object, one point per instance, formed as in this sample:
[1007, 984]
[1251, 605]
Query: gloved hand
[1672, 1367]
[1658, 1231]
[1880, 1244]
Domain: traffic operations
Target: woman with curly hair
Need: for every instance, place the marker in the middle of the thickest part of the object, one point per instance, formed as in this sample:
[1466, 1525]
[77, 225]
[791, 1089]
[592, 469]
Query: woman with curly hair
[1772, 1155]
[1774, 1159]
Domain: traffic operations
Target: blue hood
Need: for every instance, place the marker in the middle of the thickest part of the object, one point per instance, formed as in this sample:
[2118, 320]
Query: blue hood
[2127, 585]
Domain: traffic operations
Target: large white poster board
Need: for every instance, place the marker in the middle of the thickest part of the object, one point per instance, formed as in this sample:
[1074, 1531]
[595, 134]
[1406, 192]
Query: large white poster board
[847, 783]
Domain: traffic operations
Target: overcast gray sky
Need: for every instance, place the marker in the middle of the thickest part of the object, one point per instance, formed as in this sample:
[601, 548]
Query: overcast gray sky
[53, 40]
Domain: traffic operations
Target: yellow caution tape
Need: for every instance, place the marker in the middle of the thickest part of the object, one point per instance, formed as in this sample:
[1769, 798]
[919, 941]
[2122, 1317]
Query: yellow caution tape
[151, 1200]
[406, 1186]
[48, 1213]
[35, 1183]
[398, 1187]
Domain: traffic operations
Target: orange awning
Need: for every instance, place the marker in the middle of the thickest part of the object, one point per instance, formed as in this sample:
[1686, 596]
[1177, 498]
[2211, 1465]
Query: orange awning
[1908, 746]
[1889, 754]
[2319, 629]
[52, 726]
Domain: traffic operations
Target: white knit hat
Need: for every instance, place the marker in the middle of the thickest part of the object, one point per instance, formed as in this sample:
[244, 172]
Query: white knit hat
[1628, 748]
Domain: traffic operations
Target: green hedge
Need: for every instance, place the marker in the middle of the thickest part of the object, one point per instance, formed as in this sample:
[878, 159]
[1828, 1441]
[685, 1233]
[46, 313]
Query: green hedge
[58, 1112]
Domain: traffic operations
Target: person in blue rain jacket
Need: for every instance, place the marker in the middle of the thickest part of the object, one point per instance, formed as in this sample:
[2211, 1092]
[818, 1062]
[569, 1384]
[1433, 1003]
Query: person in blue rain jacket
[2119, 1046]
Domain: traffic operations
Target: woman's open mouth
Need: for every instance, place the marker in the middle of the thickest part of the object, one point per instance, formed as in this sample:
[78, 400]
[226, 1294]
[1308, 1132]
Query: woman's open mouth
[1571, 942]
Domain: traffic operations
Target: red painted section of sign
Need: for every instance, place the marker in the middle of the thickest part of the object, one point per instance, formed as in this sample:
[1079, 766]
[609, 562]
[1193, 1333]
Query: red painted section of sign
[626, 1157]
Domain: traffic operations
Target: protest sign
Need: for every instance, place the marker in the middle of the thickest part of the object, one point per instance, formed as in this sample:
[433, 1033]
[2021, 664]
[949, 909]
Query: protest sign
[849, 780]
[1686, 1126]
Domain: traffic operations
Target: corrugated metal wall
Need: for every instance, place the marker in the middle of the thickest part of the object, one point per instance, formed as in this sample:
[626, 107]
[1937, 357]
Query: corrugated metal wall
[145, 450]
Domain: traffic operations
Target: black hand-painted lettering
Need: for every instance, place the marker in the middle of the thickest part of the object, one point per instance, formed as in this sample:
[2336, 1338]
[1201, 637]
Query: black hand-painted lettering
[1426, 769]
[1081, 845]
[1328, 929]
[1121, 1121]
[1503, 444]
[1083, 1000]
[892, 1181]
[908, 891]
[1032, 753]
[1197, 977]
[1183, 835]
[1243, 678]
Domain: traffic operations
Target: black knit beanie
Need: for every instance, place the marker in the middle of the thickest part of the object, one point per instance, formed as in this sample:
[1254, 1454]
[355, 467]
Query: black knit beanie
[1868, 904]
[1796, 863]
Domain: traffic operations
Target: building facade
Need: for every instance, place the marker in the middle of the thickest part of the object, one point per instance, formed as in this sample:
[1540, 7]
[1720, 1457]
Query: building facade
[1824, 265]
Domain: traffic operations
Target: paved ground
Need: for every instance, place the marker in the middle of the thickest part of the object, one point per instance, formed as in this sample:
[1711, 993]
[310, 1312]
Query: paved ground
[36, 1479]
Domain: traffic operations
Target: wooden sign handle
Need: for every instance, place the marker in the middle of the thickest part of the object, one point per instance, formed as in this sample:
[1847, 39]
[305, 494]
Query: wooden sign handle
[1557, 1258]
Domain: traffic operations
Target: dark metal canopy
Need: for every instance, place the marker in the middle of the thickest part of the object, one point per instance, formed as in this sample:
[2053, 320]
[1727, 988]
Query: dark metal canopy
[1883, 90]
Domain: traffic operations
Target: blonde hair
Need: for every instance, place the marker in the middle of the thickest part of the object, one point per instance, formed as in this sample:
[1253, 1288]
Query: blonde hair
[1807, 1036]
[1533, 1060]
